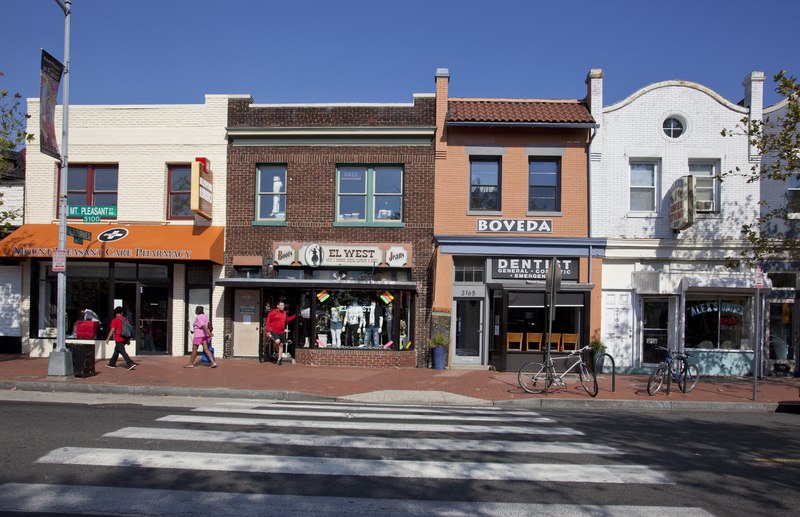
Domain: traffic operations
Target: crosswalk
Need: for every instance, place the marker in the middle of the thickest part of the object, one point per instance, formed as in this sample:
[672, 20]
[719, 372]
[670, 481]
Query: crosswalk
[454, 448]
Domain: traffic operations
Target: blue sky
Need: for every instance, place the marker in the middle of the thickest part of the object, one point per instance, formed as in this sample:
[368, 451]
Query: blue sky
[175, 51]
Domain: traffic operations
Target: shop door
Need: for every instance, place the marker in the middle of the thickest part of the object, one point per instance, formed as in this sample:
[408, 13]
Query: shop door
[153, 328]
[617, 332]
[655, 329]
[469, 332]
[246, 323]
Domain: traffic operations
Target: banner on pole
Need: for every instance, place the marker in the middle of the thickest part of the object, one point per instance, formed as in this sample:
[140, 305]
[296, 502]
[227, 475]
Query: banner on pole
[48, 98]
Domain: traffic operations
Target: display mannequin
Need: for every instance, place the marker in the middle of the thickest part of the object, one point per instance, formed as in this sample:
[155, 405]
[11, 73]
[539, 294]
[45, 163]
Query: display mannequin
[277, 187]
[354, 317]
[373, 320]
[336, 326]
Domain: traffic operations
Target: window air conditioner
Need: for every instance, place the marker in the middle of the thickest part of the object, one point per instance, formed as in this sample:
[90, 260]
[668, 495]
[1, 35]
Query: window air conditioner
[704, 206]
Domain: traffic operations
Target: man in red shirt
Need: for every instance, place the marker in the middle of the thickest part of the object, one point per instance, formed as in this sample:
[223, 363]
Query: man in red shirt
[276, 327]
[119, 341]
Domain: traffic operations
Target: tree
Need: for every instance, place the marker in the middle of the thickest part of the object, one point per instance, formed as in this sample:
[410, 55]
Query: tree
[12, 136]
[776, 232]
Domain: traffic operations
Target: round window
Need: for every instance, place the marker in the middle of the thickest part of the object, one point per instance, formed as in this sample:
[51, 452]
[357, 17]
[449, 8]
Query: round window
[673, 127]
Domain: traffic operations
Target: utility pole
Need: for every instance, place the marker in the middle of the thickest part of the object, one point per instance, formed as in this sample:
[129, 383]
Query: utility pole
[60, 361]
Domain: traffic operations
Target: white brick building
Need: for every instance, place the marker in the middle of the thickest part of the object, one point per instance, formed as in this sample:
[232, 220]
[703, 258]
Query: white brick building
[139, 159]
[664, 287]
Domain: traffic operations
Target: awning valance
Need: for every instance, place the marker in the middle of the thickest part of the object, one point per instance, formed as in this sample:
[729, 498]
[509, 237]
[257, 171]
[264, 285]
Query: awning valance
[119, 242]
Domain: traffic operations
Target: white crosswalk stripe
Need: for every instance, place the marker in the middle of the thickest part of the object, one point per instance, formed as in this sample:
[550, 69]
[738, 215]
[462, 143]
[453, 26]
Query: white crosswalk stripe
[95, 500]
[398, 435]
[358, 442]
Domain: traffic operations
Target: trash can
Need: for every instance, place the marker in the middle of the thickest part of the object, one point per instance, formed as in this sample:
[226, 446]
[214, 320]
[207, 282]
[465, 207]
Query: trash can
[82, 359]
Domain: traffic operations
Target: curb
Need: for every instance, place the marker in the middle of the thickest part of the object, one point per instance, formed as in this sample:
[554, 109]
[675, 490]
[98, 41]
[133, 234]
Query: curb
[442, 398]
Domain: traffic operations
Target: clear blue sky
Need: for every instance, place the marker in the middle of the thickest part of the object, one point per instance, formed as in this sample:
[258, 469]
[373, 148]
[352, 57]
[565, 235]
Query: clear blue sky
[279, 51]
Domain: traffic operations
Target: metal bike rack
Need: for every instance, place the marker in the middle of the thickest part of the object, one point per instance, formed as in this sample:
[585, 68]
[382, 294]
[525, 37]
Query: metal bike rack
[613, 371]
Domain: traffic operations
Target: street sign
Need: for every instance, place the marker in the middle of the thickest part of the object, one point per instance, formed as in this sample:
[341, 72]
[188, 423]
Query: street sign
[78, 234]
[59, 261]
[92, 214]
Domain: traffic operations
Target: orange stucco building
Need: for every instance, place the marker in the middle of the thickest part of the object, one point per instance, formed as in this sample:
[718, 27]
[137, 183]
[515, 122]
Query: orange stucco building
[512, 193]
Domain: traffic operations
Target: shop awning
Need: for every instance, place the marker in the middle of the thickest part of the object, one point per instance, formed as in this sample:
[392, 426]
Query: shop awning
[119, 242]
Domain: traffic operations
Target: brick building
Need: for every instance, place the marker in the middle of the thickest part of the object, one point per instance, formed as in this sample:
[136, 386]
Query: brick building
[330, 210]
[511, 194]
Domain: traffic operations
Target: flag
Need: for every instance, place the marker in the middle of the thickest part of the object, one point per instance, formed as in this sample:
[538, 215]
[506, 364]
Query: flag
[323, 295]
[387, 297]
[48, 97]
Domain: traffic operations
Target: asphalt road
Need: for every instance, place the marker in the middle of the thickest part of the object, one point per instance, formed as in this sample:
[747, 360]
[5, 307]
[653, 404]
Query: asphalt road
[294, 459]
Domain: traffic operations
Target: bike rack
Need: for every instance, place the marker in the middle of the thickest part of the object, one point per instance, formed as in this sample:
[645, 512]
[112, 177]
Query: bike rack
[613, 372]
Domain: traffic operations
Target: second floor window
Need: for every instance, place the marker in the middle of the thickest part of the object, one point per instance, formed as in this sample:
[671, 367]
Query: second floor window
[271, 192]
[484, 184]
[92, 185]
[544, 185]
[369, 194]
[180, 186]
[705, 180]
[643, 186]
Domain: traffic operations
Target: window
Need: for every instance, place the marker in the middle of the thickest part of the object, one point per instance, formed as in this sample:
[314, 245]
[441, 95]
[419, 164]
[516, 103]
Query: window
[793, 202]
[643, 186]
[673, 127]
[713, 323]
[705, 177]
[369, 194]
[484, 184]
[544, 185]
[271, 189]
[469, 273]
[92, 185]
[180, 186]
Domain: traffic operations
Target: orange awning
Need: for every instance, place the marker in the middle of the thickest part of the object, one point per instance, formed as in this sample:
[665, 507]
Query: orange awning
[119, 241]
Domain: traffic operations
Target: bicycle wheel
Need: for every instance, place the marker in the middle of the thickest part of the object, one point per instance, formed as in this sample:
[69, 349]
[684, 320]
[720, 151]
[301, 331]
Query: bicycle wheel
[532, 377]
[263, 351]
[588, 379]
[657, 379]
[688, 379]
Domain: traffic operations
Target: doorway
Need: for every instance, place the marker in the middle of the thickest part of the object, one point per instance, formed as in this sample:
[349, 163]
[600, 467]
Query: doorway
[468, 332]
[246, 322]
[153, 327]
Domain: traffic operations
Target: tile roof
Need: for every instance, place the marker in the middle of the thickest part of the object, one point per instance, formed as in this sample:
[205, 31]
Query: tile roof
[519, 110]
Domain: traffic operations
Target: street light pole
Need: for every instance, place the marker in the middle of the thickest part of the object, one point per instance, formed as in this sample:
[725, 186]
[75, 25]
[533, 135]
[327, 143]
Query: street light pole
[61, 362]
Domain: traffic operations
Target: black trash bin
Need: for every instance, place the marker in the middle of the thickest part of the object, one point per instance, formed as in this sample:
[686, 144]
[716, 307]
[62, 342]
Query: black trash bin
[82, 359]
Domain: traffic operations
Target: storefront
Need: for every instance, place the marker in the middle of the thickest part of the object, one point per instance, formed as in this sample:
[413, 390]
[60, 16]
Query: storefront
[498, 315]
[353, 304]
[156, 273]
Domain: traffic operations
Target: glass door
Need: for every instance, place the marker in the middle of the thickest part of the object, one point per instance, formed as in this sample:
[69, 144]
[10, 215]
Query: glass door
[469, 331]
[153, 329]
[655, 331]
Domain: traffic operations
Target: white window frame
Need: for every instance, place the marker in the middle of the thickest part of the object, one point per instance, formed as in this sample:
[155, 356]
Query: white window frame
[266, 193]
[704, 183]
[654, 187]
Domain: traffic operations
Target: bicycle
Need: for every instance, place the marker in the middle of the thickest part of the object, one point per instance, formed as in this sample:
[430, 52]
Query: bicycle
[265, 351]
[674, 368]
[536, 377]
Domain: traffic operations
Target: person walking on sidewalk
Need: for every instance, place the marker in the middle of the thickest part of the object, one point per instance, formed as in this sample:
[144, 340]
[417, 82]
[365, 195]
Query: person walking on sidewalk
[119, 323]
[202, 336]
[276, 327]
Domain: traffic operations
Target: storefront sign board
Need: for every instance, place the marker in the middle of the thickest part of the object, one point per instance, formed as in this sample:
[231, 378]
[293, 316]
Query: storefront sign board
[681, 203]
[514, 226]
[202, 188]
[534, 268]
[284, 255]
[316, 255]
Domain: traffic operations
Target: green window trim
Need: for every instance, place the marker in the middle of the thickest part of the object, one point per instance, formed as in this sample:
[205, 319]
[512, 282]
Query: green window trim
[358, 197]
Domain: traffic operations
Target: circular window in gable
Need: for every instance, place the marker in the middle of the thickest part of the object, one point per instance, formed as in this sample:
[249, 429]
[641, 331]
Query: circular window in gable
[673, 127]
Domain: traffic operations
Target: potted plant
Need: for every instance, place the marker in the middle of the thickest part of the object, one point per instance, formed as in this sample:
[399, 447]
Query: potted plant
[438, 345]
[598, 357]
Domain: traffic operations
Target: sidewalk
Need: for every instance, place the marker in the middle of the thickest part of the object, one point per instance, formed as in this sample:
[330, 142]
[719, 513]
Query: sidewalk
[247, 378]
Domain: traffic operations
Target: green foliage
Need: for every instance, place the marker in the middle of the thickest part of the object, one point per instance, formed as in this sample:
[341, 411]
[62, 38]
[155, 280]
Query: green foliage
[439, 340]
[12, 136]
[597, 345]
[776, 233]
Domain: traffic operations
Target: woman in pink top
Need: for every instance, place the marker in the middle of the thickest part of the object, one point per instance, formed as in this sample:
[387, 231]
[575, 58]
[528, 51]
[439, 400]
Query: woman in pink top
[202, 333]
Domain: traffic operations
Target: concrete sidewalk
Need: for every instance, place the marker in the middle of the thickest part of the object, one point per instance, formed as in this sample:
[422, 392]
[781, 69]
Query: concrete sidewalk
[247, 378]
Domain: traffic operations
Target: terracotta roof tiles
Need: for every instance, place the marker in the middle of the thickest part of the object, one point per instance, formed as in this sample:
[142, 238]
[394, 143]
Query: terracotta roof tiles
[519, 110]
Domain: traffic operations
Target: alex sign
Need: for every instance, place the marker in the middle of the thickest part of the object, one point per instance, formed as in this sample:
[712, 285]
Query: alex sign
[533, 268]
[681, 203]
